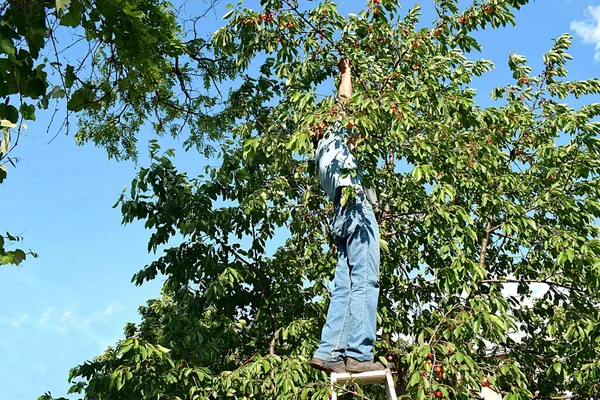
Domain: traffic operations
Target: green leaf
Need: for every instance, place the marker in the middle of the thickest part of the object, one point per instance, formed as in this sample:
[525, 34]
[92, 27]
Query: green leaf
[162, 349]
[557, 367]
[18, 256]
[36, 88]
[80, 99]
[414, 379]
[384, 245]
[28, 111]
[124, 349]
[228, 14]
[304, 394]
[571, 255]
[70, 76]
[7, 47]
[8, 112]
[417, 174]
[71, 18]
[14, 257]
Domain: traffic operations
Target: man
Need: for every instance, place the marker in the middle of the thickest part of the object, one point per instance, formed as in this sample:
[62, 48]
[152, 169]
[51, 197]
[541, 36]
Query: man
[350, 330]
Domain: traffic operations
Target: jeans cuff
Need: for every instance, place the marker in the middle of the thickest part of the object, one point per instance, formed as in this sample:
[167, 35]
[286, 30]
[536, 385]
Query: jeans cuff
[328, 357]
[363, 359]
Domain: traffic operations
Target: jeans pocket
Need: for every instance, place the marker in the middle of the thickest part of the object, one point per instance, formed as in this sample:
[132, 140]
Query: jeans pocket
[337, 224]
[345, 221]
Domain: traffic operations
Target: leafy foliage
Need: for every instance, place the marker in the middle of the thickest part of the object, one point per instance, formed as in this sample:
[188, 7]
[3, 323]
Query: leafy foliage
[10, 256]
[15, 256]
[474, 201]
[137, 67]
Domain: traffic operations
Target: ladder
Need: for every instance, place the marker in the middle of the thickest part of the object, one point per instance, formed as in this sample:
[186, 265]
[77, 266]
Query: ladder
[365, 378]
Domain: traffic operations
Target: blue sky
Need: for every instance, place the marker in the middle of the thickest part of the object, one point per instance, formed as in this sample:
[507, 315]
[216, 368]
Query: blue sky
[72, 302]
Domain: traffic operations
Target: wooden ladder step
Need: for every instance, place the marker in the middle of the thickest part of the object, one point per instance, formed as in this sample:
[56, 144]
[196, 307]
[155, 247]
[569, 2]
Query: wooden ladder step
[365, 378]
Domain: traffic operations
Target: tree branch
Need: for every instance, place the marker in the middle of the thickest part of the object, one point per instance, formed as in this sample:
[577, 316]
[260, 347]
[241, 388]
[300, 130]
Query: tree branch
[484, 243]
[549, 283]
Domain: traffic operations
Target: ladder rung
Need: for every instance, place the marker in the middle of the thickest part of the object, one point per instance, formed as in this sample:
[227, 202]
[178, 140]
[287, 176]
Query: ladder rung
[370, 377]
[363, 377]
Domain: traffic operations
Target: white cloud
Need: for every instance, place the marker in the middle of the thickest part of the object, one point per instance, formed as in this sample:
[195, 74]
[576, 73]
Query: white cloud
[15, 322]
[113, 308]
[66, 316]
[46, 315]
[590, 30]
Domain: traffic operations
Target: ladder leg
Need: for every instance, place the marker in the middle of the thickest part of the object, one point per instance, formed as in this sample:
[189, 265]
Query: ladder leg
[333, 384]
[389, 385]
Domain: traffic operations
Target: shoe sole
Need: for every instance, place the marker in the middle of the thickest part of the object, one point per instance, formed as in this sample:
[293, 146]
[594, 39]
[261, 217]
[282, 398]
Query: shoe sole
[354, 371]
[319, 367]
[358, 371]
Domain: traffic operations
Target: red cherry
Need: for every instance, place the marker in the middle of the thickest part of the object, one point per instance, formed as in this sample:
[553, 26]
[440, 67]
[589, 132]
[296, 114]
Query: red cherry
[523, 80]
[438, 393]
[390, 358]
[485, 382]
[350, 125]
[439, 369]
[180, 365]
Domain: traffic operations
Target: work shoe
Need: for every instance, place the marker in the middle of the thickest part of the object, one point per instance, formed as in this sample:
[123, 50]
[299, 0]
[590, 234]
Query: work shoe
[356, 366]
[328, 366]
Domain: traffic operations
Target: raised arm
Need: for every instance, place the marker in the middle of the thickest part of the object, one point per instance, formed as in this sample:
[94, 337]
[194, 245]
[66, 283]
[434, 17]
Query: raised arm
[345, 93]
[345, 90]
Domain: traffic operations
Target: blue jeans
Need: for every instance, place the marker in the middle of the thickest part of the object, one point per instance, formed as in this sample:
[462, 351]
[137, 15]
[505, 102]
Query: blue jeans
[351, 325]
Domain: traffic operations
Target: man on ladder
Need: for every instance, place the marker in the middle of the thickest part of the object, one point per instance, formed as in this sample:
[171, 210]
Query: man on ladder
[350, 329]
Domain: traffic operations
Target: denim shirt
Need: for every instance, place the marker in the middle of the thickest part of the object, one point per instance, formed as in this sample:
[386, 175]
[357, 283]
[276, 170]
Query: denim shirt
[335, 161]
